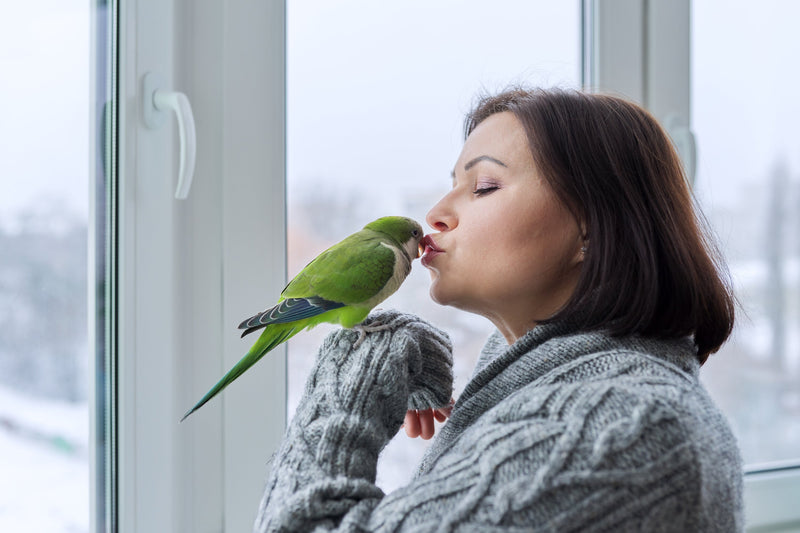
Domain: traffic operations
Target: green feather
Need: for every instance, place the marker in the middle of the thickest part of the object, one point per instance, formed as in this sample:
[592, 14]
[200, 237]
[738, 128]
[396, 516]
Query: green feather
[268, 340]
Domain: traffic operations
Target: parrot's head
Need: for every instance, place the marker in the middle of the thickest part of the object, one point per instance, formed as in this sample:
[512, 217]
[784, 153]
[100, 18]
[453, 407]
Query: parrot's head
[407, 233]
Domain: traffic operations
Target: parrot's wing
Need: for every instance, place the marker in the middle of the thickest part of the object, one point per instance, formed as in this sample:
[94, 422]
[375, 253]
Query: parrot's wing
[349, 272]
[289, 310]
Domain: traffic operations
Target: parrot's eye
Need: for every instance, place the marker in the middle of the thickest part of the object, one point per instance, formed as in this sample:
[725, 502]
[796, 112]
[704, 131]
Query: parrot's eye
[415, 233]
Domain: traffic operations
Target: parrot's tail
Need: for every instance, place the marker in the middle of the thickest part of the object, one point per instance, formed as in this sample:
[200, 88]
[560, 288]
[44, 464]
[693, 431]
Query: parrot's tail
[269, 339]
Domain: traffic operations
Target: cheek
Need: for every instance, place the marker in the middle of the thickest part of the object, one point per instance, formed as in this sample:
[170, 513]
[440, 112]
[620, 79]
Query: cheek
[535, 254]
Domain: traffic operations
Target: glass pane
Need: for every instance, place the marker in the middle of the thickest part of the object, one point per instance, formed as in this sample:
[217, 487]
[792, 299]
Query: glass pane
[376, 99]
[745, 115]
[44, 421]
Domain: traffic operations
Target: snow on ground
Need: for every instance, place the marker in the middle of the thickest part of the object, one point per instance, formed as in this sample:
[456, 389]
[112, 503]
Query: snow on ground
[44, 465]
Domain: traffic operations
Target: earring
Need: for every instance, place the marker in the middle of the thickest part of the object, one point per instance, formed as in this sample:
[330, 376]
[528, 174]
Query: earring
[583, 250]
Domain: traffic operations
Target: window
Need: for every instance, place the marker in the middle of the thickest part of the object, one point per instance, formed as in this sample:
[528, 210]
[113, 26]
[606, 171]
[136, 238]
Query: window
[44, 379]
[748, 179]
[377, 94]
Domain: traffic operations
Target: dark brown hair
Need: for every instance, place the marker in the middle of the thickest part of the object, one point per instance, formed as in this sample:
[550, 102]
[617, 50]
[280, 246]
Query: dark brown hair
[650, 266]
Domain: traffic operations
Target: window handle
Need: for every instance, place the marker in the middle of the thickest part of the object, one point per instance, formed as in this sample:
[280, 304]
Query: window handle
[156, 104]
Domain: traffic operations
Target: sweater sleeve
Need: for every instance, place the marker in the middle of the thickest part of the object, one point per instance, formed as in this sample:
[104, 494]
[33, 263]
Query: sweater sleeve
[323, 475]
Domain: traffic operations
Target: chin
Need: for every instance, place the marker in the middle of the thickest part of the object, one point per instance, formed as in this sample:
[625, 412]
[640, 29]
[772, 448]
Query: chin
[442, 296]
[452, 294]
[435, 296]
[436, 293]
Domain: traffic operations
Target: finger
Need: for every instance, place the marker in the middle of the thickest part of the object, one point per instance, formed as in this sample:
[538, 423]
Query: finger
[444, 412]
[412, 424]
[449, 408]
[426, 424]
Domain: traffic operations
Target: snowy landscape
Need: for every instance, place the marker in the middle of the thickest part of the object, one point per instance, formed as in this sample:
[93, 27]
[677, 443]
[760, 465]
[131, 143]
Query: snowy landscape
[44, 473]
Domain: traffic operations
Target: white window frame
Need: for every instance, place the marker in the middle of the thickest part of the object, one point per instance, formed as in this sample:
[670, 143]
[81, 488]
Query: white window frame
[189, 271]
[641, 49]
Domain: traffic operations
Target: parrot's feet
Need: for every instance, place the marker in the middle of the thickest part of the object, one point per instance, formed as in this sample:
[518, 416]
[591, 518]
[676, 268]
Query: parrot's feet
[363, 330]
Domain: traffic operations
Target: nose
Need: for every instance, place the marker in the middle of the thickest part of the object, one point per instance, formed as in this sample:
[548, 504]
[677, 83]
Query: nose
[442, 217]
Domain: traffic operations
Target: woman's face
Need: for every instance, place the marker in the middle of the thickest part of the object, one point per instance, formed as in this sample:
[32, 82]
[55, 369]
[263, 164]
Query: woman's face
[506, 247]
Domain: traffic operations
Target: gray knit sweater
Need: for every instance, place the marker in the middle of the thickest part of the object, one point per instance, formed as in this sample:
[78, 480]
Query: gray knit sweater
[562, 431]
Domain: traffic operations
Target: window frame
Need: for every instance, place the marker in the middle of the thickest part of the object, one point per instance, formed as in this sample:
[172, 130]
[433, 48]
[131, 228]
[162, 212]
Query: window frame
[184, 273]
[641, 49]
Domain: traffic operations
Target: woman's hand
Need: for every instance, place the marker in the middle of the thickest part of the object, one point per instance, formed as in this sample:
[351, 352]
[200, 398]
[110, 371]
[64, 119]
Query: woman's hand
[419, 423]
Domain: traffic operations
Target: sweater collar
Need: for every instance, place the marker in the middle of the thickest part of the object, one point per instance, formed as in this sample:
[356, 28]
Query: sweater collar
[548, 346]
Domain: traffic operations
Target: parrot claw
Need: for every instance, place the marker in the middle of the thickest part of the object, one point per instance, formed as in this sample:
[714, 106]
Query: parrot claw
[363, 330]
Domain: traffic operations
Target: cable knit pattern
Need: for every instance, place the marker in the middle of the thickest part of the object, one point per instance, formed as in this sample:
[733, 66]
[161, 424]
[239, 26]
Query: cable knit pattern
[562, 431]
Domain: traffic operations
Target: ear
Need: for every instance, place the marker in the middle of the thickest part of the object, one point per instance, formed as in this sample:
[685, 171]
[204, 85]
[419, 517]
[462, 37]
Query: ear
[582, 249]
[584, 242]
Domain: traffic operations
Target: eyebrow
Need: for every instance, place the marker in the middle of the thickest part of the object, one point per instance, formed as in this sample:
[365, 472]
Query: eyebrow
[477, 160]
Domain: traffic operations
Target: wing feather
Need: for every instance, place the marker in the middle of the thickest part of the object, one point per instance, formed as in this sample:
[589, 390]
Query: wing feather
[289, 310]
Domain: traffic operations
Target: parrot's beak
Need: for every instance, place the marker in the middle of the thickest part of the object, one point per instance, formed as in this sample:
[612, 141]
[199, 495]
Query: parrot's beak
[420, 250]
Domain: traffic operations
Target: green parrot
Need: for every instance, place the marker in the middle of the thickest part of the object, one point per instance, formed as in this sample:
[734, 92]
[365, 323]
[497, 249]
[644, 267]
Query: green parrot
[340, 286]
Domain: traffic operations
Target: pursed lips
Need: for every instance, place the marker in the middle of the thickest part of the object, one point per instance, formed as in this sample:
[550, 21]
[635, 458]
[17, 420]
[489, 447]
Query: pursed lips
[430, 250]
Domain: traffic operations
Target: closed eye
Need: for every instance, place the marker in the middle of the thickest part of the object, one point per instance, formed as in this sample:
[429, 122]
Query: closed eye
[485, 190]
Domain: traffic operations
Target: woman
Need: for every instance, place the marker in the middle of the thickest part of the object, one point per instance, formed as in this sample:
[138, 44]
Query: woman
[570, 226]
